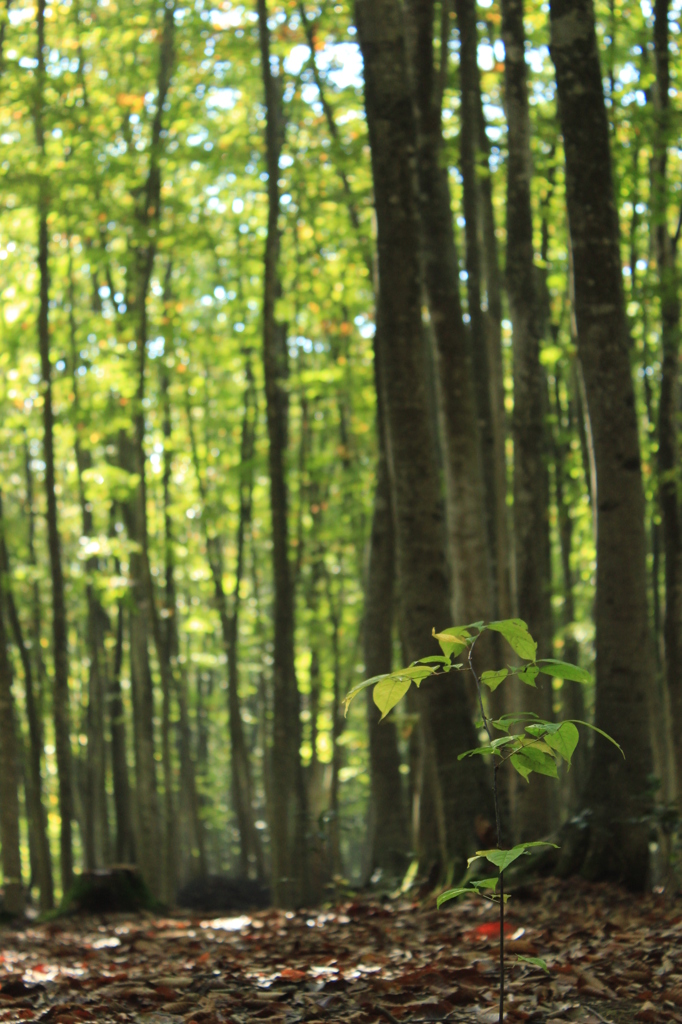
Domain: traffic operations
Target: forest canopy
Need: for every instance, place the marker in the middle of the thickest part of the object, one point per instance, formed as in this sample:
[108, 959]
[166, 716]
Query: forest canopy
[321, 328]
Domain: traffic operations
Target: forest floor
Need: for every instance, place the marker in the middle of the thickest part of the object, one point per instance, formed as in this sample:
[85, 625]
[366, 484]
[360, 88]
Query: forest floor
[612, 958]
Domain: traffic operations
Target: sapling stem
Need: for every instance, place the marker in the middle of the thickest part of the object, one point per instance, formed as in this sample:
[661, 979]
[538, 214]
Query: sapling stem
[534, 749]
[498, 825]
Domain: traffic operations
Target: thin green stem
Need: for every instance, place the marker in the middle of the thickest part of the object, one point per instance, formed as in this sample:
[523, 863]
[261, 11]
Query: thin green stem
[498, 826]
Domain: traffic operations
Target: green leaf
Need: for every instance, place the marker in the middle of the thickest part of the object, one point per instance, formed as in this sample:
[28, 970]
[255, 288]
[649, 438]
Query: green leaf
[505, 722]
[389, 691]
[503, 858]
[530, 759]
[358, 688]
[578, 721]
[564, 670]
[493, 679]
[433, 659]
[486, 883]
[515, 632]
[535, 961]
[527, 675]
[451, 894]
[537, 729]
[564, 740]
[491, 748]
[452, 641]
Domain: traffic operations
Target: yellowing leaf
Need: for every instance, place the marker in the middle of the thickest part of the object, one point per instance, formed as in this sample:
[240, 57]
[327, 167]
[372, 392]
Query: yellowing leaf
[389, 691]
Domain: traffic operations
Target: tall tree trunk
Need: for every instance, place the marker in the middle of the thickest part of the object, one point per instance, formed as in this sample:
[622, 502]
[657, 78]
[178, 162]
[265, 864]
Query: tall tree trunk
[61, 698]
[13, 902]
[421, 557]
[669, 403]
[34, 782]
[466, 506]
[250, 849]
[170, 646]
[616, 790]
[96, 830]
[482, 269]
[125, 832]
[388, 835]
[533, 800]
[572, 698]
[146, 619]
[288, 826]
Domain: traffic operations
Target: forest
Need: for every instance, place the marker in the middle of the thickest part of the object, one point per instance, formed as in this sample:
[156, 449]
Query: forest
[322, 327]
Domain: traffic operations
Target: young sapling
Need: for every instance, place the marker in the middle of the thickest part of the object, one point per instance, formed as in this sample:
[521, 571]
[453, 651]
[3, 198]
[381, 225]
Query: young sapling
[538, 745]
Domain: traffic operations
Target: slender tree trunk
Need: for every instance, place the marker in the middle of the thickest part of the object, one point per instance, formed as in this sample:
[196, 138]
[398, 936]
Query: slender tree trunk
[125, 833]
[35, 630]
[388, 835]
[170, 649]
[421, 558]
[288, 827]
[669, 403]
[13, 902]
[61, 697]
[34, 782]
[616, 843]
[469, 540]
[533, 801]
[145, 619]
[572, 698]
[250, 849]
[470, 166]
[96, 824]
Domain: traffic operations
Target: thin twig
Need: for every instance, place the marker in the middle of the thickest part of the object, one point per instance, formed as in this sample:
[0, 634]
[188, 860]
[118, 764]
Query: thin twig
[386, 1013]
[598, 1014]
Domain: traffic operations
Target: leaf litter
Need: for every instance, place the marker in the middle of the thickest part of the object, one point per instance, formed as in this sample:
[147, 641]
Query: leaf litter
[612, 958]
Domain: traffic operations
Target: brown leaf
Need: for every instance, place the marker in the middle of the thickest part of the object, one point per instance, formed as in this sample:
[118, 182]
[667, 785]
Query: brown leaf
[647, 1013]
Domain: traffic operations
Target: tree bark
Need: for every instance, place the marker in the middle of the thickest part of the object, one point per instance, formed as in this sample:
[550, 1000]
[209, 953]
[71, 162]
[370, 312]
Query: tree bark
[34, 782]
[572, 698]
[61, 697]
[125, 832]
[482, 270]
[669, 402]
[388, 834]
[96, 830]
[13, 902]
[466, 507]
[421, 549]
[145, 619]
[533, 801]
[288, 812]
[616, 841]
[250, 849]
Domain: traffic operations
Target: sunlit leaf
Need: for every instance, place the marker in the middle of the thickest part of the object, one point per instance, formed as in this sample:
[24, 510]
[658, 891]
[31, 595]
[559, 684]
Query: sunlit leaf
[515, 632]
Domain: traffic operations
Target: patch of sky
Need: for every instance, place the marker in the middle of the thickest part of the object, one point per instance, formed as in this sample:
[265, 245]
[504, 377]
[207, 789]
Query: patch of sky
[231, 18]
[341, 63]
[486, 57]
[536, 57]
[222, 99]
[197, 137]
[17, 15]
[628, 74]
[237, 205]
[492, 112]
[155, 347]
